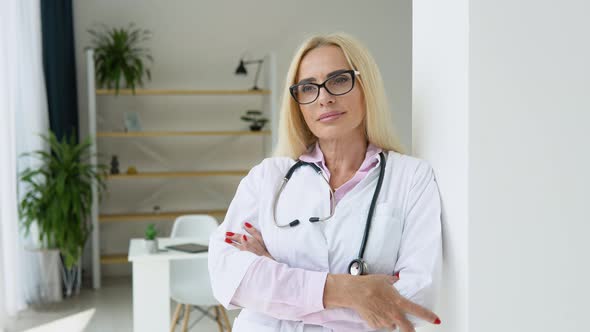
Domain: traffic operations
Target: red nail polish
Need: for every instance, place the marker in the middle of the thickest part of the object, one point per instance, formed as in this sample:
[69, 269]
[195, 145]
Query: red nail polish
[396, 275]
[437, 321]
[248, 224]
[244, 237]
[229, 234]
[228, 240]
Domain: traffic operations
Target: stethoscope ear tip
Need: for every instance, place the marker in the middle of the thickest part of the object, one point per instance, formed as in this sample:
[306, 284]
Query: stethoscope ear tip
[294, 223]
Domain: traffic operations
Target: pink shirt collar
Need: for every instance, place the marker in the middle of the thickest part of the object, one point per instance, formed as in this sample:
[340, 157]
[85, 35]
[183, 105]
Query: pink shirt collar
[315, 155]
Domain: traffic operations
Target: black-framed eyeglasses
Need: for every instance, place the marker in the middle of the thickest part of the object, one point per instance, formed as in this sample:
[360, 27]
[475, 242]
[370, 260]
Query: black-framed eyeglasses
[336, 85]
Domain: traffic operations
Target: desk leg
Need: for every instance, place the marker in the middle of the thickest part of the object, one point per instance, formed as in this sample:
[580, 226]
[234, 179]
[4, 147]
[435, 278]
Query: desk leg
[151, 296]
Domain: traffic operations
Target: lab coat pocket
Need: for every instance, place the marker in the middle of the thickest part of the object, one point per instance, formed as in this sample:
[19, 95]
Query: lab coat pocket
[384, 238]
[249, 321]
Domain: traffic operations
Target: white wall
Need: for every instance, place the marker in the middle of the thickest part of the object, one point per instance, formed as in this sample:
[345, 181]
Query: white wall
[527, 164]
[440, 135]
[198, 44]
[2, 292]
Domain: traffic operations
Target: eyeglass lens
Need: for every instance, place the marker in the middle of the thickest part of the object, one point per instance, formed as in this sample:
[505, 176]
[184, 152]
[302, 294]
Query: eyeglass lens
[335, 85]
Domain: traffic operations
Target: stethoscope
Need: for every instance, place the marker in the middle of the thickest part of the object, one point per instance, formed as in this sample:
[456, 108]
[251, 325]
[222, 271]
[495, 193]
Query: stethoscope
[357, 266]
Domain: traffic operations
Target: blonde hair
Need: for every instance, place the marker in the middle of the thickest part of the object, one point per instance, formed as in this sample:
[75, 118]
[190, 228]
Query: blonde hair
[294, 136]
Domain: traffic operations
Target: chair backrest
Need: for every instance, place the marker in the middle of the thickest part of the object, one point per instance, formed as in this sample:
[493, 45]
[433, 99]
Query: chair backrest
[189, 278]
[194, 225]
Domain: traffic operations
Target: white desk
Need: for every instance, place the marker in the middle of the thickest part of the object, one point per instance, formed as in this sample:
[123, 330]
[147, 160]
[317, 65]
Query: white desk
[151, 282]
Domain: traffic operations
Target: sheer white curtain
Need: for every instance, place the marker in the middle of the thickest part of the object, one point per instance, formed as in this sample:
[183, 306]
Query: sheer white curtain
[23, 116]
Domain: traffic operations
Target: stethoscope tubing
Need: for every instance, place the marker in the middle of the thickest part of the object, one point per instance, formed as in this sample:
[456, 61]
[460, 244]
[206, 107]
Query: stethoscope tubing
[362, 265]
[372, 207]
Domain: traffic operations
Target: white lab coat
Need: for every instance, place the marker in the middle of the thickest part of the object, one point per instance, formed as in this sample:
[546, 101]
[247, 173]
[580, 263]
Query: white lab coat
[405, 232]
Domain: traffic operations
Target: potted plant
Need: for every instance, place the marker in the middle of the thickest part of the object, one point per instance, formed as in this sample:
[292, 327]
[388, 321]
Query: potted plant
[151, 243]
[118, 56]
[256, 118]
[58, 201]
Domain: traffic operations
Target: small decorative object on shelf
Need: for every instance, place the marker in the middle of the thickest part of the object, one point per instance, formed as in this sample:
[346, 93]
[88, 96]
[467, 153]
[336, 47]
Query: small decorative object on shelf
[132, 122]
[114, 165]
[120, 56]
[151, 243]
[156, 209]
[131, 170]
[258, 121]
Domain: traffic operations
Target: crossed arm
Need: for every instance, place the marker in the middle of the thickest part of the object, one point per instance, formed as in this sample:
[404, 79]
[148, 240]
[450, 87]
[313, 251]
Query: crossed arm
[245, 275]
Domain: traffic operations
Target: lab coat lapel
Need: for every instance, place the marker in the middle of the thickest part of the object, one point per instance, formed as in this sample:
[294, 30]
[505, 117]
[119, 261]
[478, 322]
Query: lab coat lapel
[304, 246]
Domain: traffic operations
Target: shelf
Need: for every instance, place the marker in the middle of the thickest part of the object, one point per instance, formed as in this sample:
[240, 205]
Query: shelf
[105, 218]
[175, 174]
[114, 259]
[183, 133]
[176, 92]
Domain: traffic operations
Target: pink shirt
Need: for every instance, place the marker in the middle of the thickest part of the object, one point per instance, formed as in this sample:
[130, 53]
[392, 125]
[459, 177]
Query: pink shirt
[286, 298]
[371, 156]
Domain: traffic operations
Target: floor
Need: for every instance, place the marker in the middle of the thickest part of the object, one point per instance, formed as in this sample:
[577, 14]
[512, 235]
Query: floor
[113, 306]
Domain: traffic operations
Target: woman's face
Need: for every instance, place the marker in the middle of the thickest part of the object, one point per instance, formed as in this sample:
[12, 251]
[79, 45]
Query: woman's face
[347, 111]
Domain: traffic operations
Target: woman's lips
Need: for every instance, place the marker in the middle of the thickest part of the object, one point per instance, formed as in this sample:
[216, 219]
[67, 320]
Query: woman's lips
[330, 116]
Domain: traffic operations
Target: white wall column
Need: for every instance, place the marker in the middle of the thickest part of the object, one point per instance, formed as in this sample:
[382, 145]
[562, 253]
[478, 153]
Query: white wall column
[440, 135]
[501, 108]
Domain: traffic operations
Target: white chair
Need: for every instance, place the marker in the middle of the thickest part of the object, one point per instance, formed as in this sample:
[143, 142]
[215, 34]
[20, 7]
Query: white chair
[189, 279]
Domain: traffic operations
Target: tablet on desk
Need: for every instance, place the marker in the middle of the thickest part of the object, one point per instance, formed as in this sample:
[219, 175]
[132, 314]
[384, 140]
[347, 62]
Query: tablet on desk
[188, 247]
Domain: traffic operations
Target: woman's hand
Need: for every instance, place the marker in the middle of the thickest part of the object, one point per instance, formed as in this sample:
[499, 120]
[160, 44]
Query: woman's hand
[375, 299]
[253, 243]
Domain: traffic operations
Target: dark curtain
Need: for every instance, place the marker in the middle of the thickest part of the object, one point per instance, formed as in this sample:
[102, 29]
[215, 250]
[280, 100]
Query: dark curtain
[59, 64]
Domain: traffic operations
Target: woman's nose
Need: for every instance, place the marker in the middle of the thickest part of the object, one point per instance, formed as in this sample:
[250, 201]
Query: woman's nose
[325, 97]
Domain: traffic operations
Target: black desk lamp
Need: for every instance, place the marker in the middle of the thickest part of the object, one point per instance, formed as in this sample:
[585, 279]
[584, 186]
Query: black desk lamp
[241, 70]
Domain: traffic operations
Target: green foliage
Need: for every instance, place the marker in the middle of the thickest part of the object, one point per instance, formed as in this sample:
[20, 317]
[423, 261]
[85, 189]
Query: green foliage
[150, 232]
[118, 56]
[59, 196]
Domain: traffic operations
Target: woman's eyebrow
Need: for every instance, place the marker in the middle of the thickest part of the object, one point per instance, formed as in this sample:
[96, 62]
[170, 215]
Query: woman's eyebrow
[313, 79]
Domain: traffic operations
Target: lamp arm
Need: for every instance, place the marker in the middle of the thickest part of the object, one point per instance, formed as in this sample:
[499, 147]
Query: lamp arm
[259, 62]
[257, 74]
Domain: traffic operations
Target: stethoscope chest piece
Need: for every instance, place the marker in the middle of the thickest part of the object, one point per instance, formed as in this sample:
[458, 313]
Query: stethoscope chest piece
[358, 267]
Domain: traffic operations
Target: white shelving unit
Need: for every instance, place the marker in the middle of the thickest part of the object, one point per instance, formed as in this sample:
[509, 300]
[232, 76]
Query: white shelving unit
[138, 216]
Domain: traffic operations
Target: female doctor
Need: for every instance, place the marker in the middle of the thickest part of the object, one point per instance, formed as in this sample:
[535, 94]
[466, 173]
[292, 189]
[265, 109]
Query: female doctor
[339, 231]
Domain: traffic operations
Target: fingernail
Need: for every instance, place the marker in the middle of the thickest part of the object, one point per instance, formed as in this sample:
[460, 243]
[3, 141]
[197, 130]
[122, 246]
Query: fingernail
[244, 237]
[229, 234]
[248, 224]
[228, 240]
[396, 274]
[437, 321]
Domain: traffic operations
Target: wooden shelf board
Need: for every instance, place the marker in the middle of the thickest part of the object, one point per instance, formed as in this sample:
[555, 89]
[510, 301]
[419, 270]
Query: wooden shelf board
[176, 174]
[176, 92]
[114, 259]
[105, 218]
[183, 133]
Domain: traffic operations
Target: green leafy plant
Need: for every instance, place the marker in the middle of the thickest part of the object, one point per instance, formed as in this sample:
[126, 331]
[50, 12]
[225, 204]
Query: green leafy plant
[59, 195]
[151, 232]
[256, 118]
[118, 56]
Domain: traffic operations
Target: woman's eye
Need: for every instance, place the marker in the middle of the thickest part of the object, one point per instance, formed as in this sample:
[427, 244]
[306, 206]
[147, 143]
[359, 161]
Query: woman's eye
[342, 79]
[307, 88]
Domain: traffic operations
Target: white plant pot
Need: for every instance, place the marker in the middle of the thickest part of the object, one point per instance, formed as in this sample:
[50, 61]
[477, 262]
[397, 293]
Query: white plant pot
[47, 263]
[151, 246]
